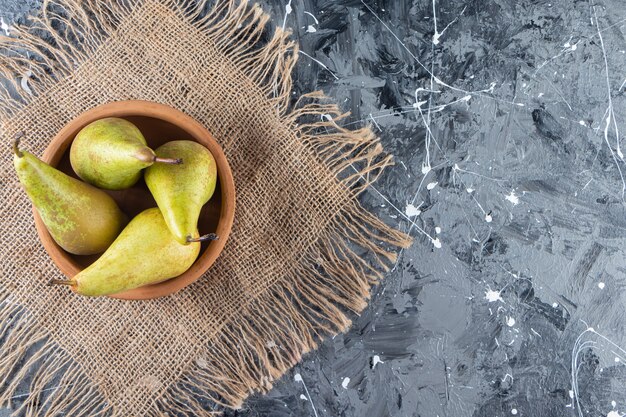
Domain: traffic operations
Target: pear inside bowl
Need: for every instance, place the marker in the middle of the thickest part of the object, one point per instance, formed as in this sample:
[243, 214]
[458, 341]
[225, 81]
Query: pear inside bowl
[159, 124]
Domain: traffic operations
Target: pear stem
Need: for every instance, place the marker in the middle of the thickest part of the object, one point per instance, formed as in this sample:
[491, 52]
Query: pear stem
[210, 236]
[172, 161]
[71, 282]
[16, 144]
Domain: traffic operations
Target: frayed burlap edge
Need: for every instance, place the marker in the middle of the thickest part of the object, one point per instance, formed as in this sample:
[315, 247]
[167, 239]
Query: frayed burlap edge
[332, 278]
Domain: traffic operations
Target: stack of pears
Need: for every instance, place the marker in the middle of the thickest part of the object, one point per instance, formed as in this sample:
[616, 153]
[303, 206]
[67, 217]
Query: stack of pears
[159, 243]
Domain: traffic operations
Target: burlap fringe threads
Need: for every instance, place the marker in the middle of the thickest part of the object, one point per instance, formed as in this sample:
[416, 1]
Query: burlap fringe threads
[332, 278]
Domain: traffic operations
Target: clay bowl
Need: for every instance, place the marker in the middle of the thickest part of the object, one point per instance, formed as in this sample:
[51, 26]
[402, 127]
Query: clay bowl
[158, 123]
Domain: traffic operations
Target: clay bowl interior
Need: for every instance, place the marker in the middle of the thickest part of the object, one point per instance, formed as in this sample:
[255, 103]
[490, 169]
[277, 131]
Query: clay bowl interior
[159, 124]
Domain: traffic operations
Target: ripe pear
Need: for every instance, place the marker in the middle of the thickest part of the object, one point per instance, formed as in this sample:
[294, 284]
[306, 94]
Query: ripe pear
[144, 253]
[181, 190]
[81, 219]
[110, 153]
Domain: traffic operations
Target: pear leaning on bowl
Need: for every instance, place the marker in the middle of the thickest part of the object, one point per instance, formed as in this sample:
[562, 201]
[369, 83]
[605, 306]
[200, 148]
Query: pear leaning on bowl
[181, 190]
[144, 253]
[111, 152]
[82, 219]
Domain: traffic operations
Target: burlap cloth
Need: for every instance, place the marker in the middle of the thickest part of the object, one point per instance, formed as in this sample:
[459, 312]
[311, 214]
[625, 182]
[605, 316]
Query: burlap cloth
[303, 253]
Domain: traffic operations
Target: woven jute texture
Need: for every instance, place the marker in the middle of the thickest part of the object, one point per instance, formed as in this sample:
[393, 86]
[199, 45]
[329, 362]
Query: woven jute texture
[302, 255]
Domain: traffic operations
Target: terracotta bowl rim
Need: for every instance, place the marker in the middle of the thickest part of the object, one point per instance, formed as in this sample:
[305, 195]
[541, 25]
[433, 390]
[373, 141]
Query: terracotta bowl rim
[128, 108]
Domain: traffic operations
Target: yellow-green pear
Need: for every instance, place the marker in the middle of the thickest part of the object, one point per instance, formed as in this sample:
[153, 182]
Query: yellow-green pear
[144, 253]
[111, 152]
[181, 190]
[81, 219]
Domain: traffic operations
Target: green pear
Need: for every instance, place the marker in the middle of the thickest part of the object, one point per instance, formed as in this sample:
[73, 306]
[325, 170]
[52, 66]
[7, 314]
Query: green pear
[181, 190]
[110, 153]
[144, 253]
[81, 219]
